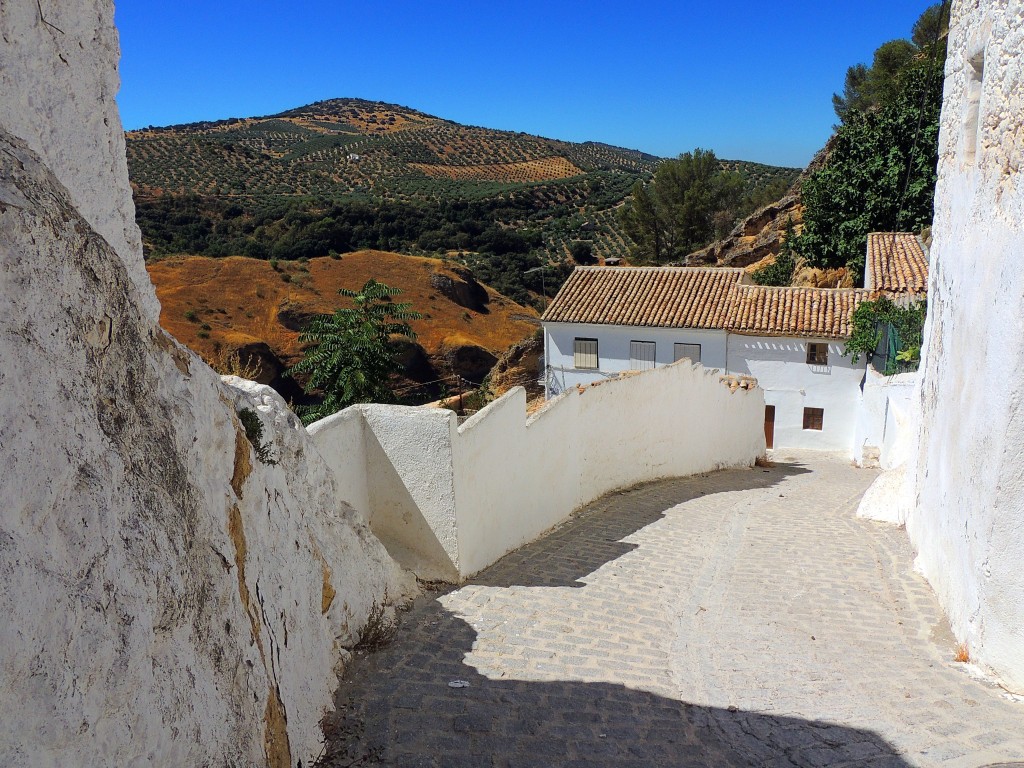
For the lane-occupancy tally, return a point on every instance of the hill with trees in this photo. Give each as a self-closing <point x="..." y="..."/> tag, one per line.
<point x="346" y="174"/>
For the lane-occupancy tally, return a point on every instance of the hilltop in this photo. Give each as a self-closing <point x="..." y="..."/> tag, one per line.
<point x="346" y="174"/>
<point x="220" y="306"/>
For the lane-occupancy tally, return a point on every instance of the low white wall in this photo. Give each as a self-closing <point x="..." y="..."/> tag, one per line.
<point x="341" y="439"/>
<point x="448" y="501"/>
<point x="780" y="366"/>
<point x="399" y="461"/>
<point x="883" y="421"/>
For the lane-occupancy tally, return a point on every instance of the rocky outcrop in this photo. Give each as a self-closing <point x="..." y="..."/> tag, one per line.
<point x="180" y="583"/>
<point x="520" y="366"/>
<point x="459" y="285"/>
<point x="761" y="234"/>
<point x="756" y="237"/>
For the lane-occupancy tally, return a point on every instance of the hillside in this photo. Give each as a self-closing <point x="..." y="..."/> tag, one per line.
<point x="217" y="306"/>
<point x="346" y="174"/>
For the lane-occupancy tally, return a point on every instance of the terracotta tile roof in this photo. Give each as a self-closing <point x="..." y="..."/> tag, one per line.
<point x="664" y="297"/>
<point x="702" y="297"/>
<point x="896" y="263"/>
<point x="818" y="312"/>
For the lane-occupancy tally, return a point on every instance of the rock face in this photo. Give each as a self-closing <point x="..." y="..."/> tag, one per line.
<point x="520" y="366"/>
<point x="461" y="287"/>
<point x="169" y="597"/>
<point x="967" y="488"/>
<point x="761" y="234"/>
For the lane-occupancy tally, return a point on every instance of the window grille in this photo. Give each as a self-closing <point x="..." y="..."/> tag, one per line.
<point x="813" y="418"/>
<point x="817" y="354"/>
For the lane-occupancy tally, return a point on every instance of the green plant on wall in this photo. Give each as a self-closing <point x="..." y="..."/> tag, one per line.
<point x="904" y="326"/>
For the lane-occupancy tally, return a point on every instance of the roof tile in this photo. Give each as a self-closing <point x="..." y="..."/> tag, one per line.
<point x="896" y="263"/>
<point x="702" y="297"/>
<point x="662" y="297"/>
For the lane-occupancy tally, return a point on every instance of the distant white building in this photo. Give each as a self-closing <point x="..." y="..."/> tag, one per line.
<point x="792" y="340"/>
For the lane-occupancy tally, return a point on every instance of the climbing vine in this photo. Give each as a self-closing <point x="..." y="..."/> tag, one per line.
<point x="904" y="327"/>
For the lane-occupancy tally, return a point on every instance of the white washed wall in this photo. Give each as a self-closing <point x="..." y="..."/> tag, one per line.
<point x="780" y="366"/>
<point x="967" y="516"/>
<point x="883" y="418"/>
<point x="450" y="501"/>
<point x="168" y="599"/>
<point x="613" y="349"/>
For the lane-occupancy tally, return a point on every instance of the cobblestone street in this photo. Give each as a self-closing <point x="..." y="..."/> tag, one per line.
<point x="745" y="617"/>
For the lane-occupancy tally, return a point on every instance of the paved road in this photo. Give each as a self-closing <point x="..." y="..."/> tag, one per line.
<point x="740" y="618"/>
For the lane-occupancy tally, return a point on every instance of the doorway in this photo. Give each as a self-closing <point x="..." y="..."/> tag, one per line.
<point x="769" y="426"/>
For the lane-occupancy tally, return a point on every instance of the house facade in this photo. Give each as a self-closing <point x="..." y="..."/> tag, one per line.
<point x="606" y="321"/>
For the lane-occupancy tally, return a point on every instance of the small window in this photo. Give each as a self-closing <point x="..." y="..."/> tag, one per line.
<point x="813" y="418"/>
<point x="584" y="353"/>
<point x="690" y="352"/>
<point x="817" y="354"/>
<point x="641" y="355"/>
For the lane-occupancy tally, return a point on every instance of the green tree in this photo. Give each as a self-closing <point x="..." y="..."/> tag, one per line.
<point x="779" y="272"/>
<point x="674" y="215"/>
<point x="867" y="88"/>
<point x="880" y="175"/>
<point x="350" y="357"/>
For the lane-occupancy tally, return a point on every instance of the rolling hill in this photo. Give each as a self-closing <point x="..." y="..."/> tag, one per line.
<point x="346" y="174"/>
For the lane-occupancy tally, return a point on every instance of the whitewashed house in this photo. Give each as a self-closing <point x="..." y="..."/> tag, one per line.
<point x="792" y="341"/>
<point x="608" y="320"/>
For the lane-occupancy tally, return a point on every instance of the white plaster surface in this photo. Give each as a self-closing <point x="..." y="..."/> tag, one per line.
<point x="885" y="428"/>
<point x="613" y="350"/>
<point x="168" y="599"/>
<point x="780" y="366"/>
<point x="58" y="80"/>
<point x="450" y="501"/>
<point x="967" y="517"/>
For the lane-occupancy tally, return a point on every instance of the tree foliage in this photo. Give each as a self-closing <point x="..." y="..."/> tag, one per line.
<point x="881" y="172"/>
<point x="779" y="272"/>
<point x="674" y="215"/>
<point x="880" y="175"/>
<point x="906" y="324"/>
<point x="350" y="358"/>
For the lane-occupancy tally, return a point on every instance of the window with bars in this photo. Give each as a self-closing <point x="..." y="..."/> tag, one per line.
<point x="641" y="355"/>
<point x="817" y="354"/>
<point x="584" y="353"/>
<point x="689" y="351"/>
<point x="813" y="418"/>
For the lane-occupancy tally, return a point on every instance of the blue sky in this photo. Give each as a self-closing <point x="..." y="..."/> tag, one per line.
<point x="752" y="81"/>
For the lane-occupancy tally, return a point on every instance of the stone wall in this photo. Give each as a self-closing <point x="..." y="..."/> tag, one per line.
<point x="169" y="599"/>
<point x="967" y="480"/>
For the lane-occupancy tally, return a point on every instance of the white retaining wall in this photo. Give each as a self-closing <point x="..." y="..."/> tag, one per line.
<point x="967" y="516"/>
<point x="448" y="501"/>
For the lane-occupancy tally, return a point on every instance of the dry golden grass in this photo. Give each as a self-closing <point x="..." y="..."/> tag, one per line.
<point x="240" y="300"/>
<point x="544" y="169"/>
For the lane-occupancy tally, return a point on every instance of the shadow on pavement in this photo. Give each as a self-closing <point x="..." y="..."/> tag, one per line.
<point x="595" y="535"/>
<point x="395" y="707"/>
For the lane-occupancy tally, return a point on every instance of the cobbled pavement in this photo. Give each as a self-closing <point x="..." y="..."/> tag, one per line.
<point x="740" y="618"/>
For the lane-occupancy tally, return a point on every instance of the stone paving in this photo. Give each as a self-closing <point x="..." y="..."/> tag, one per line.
<point x="744" y="617"/>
